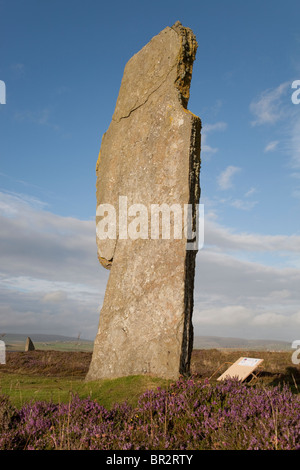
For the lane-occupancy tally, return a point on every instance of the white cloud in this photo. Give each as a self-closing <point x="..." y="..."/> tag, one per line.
<point x="296" y="193"/>
<point x="206" y="130"/>
<point x="218" y="126"/>
<point x="56" y="296"/>
<point x="243" y="205"/>
<point x="226" y="239"/>
<point x="272" y="106"/>
<point x="51" y="280"/>
<point x="49" y="269"/>
<point x="269" y="107"/>
<point x="12" y="203"/>
<point x="269" y="318"/>
<point x="42" y="117"/>
<point x="271" y="146"/>
<point x="293" y="143"/>
<point x="229" y="315"/>
<point x="236" y="298"/>
<point x="225" y="178"/>
<point x="250" y="192"/>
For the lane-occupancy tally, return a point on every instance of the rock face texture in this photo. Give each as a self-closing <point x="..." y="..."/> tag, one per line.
<point x="149" y="155"/>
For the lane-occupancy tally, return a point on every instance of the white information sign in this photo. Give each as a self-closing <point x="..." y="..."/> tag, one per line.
<point x="242" y="368"/>
<point x="249" y="361"/>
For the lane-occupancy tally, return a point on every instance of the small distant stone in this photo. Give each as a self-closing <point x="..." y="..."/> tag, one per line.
<point x="29" y="346"/>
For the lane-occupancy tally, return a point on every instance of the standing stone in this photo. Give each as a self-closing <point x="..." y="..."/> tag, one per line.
<point x="149" y="155"/>
<point x="29" y="346"/>
<point x="2" y="352"/>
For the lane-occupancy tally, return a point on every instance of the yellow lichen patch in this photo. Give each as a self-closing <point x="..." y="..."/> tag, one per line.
<point x="104" y="262"/>
<point x="98" y="161"/>
<point x="190" y="113"/>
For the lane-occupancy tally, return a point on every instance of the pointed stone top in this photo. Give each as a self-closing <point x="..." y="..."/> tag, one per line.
<point x="168" y="56"/>
<point x="29" y="346"/>
<point x="177" y="23"/>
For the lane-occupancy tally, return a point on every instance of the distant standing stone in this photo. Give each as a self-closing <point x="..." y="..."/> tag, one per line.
<point x="2" y="352"/>
<point x="29" y="346"/>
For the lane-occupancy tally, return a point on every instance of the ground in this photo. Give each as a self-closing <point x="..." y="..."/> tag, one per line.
<point x="54" y="375"/>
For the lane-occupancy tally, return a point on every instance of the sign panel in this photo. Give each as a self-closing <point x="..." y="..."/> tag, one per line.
<point x="249" y="361"/>
<point x="241" y="369"/>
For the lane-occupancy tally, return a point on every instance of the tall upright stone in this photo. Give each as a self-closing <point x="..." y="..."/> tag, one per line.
<point x="150" y="155"/>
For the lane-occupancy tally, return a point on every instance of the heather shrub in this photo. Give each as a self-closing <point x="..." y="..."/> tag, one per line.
<point x="189" y="415"/>
<point x="8" y="414"/>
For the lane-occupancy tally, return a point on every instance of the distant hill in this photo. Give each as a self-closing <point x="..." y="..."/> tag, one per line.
<point x="215" y="342"/>
<point x="16" y="342"/>
<point x="39" y="337"/>
<point x="67" y="343"/>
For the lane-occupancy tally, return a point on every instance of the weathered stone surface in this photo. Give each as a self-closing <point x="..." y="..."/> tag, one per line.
<point x="29" y="346"/>
<point x="151" y="155"/>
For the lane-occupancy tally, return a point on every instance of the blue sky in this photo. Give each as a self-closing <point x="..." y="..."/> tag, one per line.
<point x="62" y="63"/>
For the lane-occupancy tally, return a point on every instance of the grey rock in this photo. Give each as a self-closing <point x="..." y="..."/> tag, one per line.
<point x="150" y="154"/>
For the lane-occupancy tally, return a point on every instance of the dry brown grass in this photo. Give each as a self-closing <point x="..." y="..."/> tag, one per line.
<point x="277" y="366"/>
<point x="47" y="363"/>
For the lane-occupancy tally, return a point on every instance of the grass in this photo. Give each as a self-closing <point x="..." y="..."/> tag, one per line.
<point x="24" y="388"/>
<point x="277" y="368"/>
<point x="55" y="346"/>
<point x="45" y="403"/>
<point x="56" y="375"/>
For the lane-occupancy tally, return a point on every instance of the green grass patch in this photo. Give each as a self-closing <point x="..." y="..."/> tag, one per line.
<point x="24" y="388"/>
<point x="54" y="346"/>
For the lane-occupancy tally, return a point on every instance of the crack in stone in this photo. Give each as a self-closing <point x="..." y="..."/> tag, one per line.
<point x="152" y="92"/>
<point x="179" y="83"/>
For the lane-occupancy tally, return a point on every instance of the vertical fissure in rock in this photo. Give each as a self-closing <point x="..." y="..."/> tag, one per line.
<point x="190" y="260"/>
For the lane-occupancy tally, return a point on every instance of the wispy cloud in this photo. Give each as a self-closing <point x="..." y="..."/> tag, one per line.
<point x="271" y="105"/>
<point x="18" y="68"/>
<point x="292" y="145"/>
<point x="218" y="126"/>
<point x="227" y="240"/>
<point x="243" y="204"/>
<point x="207" y="129"/>
<point x="41" y="117"/>
<point x="274" y="106"/>
<point x="250" y="192"/>
<point x="12" y="203"/>
<point x="296" y="193"/>
<point x="226" y="177"/>
<point x="271" y="146"/>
